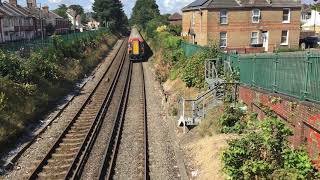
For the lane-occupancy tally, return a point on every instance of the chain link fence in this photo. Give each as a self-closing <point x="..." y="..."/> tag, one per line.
<point x="47" y="41"/>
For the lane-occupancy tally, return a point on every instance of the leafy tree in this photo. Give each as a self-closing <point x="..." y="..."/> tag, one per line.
<point x="110" y="12"/>
<point x="77" y="8"/>
<point x="61" y="11"/>
<point x="143" y="12"/>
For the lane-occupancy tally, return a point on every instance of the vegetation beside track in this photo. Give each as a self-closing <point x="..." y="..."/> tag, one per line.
<point x="31" y="83"/>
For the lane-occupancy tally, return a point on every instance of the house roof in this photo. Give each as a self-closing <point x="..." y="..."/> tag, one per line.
<point x="212" y="4"/>
<point x="175" y="17"/>
<point x="17" y="9"/>
<point x="305" y="8"/>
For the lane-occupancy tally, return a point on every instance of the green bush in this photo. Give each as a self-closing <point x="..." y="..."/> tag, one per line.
<point x="193" y="72"/>
<point x="29" y="84"/>
<point x="231" y="120"/>
<point x="265" y="154"/>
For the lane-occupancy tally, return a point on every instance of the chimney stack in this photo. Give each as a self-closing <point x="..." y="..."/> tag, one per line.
<point x="13" y="2"/>
<point x="31" y="3"/>
<point x="45" y="10"/>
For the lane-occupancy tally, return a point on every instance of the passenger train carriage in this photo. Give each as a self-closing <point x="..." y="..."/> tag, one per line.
<point x="135" y="46"/>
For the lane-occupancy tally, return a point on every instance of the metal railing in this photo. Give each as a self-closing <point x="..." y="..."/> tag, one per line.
<point x="293" y="74"/>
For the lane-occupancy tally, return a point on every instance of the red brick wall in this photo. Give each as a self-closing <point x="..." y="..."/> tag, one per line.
<point x="302" y="117"/>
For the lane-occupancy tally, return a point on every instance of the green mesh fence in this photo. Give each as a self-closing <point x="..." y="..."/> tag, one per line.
<point x="39" y="43"/>
<point x="293" y="74"/>
<point x="191" y="49"/>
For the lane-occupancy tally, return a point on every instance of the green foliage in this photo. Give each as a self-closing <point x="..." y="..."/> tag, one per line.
<point x="62" y="11"/>
<point x="77" y="8"/>
<point x="265" y="153"/>
<point x="29" y="84"/>
<point x="153" y="24"/>
<point x="231" y="121"/>
<point x="175" y="29"/>
<point x="144" y="12"/>
<point x="193" y="73"/>
<point x="111" y="12"/>
<point x="288" y="50"/>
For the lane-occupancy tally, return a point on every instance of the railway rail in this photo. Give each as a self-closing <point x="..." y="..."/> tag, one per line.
<point x="107" y="170"/>
<point x="68" y="154"/>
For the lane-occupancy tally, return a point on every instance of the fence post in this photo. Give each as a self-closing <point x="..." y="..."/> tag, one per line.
<point x="276" y="61"/>
<point x="306" y="81"/>
<point x="253" y="70"/>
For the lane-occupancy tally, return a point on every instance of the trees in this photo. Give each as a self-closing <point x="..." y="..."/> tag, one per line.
<point x="77" y="8"/>
<point x="61" y="11"/>
<point x="143" y="12"/>
<point x="110" y="12"/>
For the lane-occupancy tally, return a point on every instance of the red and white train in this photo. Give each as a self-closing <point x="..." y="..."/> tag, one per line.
<point x="136" y="46"/>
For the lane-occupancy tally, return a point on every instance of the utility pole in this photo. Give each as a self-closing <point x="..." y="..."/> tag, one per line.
<point x="41" y="24"/>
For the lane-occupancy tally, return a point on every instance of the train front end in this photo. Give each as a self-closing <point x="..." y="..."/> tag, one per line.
<point x="135" y="46"/>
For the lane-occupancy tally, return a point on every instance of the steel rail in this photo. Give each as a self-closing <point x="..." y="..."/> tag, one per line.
<point x="145" y="116"/>
<point x="109" y="156"/>
<point x="44" y="161"/>
<point x="106" y="171"/>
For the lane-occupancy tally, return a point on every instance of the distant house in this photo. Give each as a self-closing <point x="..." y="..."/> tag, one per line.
<point x="92" y="24"/>
<point x="75" y="20"/>
<point x="175" y="19"/>
<point x="305" y="13"/>
<point x="310" y="19"/>
<point x="243" y="25"/>
<point x="61" y="25"/>
<point x="17" y="24"/>
<point x="25" y="23"/>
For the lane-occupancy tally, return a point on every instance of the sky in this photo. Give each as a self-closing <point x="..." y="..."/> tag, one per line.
<point x="165" y="6"/>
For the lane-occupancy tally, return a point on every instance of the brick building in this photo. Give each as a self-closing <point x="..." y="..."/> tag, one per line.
<point x="175" y="19"/>
<point x="243" y="24"/>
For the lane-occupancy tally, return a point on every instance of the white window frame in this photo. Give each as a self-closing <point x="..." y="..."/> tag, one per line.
<point x="289" y="15"/>
<point x="226" y="39"/>
<point x="224" y="16"/>
<point x="287" y="40"/>
<point x="251" y="37"/>
<point x="254" y="16"/>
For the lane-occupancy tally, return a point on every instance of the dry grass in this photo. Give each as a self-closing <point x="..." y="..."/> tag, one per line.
<point x="209" y="125"/>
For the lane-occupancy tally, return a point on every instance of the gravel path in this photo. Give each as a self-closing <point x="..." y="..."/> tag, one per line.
<point x="37" y="150"/>
<point x="91" y="169"/>
<point x="162" y="156"/>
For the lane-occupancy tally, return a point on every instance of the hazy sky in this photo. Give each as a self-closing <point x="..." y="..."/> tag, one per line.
<point x="166" y="6"/>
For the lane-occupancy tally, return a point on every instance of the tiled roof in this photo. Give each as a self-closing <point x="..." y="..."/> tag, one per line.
<point x="16" y="9"/>
<point x="175" y="16"/>
<point x="210" y="4"/>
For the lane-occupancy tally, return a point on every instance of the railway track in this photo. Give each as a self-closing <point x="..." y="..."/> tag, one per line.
<point x="135" y="85"/>
<point x="69" y="153"/>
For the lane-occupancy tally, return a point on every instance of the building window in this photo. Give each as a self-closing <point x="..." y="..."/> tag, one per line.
<point x="223" y="16"/>
<point x="284" y="37"/>
<point x="256" y="15"/>
<point x="286" y="15"/>
<point x="254" y="38"/>
<point x="223" y="39"/>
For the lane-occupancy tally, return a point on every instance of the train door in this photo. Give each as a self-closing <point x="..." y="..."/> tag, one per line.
<point x="136" y="48"/>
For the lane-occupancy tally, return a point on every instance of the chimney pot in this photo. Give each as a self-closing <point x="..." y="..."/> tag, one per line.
<point x="13" y="2"/>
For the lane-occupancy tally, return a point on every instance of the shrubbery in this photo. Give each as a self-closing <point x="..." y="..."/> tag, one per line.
<point x="264" y="153"/>
<point x="232" y="120"/>
<point x="30" y="83"/>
